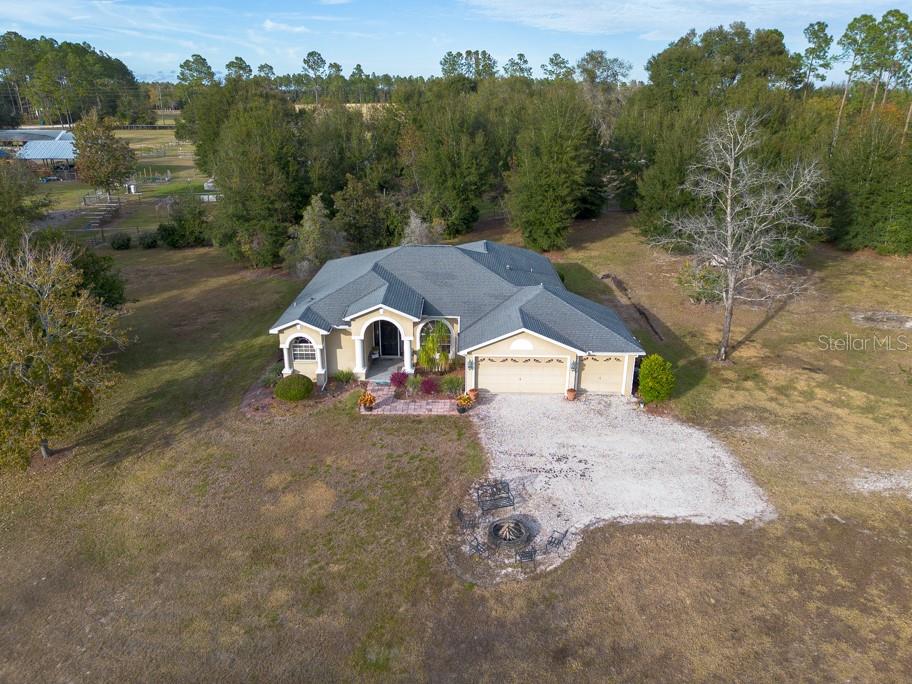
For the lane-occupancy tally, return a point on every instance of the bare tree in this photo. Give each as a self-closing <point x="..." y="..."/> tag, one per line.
<point x="420" y="232"/>
<point x="753" y="223"/>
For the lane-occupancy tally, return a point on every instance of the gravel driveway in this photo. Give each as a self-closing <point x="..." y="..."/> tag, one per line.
<point x="573" y="464"/>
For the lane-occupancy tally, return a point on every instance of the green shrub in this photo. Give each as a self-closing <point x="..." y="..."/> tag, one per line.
<point x="344" y="376"/>
<point x="294" y="387"/>
<point x="120" y="241"/>
<point x="273" y="375"/>
<point x="413" y="384"/>
<point x="657" y="379"/>
<point x="452" y="384"/>
<point x="897" y="238"/>
<point x="701" y="285"/>
<point x="99" y="276"/>
<point x="187" y="227"/>
<point x="148" y="240"/>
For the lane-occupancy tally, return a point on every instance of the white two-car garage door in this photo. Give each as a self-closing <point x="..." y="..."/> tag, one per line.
<point x="521" y="374"/>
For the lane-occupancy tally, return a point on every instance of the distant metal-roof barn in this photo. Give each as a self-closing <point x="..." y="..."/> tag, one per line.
<point x="61" y="148"/>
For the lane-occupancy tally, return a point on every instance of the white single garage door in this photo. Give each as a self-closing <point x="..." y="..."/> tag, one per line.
<point x="522" y="374"/>
<point x="602" y="374"/>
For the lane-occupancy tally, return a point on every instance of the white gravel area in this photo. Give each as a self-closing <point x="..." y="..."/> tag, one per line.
<point x="899" y="482"/>
<point x="600" y="458"/>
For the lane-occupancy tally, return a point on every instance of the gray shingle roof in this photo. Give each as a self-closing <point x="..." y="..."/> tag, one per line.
<point x="494" y="289"/>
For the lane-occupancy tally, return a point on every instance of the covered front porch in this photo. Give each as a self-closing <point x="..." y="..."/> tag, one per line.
<point x="379" y="370"/>
<point x="382" y="350"/>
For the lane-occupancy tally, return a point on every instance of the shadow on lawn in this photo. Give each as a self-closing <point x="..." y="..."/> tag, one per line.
<point x="651" y="331"/>
<point x="192" y="362"/>
<point x="771" y="314"/>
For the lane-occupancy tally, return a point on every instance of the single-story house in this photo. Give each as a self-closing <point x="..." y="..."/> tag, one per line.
<point x="509" y="316"/>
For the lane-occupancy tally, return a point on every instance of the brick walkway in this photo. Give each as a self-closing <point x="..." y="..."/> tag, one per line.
<point x="388" y="405"/>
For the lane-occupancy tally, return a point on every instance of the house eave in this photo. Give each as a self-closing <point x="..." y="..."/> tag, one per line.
<point x="463" y="352"/>
<point x="382" y="307"/>
<point x="279" y="328"/>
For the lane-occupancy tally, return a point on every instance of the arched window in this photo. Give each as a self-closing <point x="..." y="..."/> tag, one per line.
<point x="302" y="349"/>
<point x="439" y="333"/>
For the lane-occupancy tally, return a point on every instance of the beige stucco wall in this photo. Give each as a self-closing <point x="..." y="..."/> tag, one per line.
<point x="406" y="325"/>
<point x="340" y="351"/>
<point x="298" y="329"/>
<point x="524" y="344"/>
<point x="308" y="368"/>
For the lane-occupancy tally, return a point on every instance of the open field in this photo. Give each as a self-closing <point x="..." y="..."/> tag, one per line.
<point x="178" y="540"/>
<point x="158" y="154"/>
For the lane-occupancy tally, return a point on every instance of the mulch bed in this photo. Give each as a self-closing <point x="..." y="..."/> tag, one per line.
<point x="259" y="402"/>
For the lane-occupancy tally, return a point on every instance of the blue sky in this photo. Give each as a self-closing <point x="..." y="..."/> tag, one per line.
<point x="154" y="36"/>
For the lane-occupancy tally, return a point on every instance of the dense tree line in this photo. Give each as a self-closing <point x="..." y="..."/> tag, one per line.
<point x="858" y="132"/>
<point x="548" y="150"/>
<point x="57" y="83"/>
<point x="443" y="149"/>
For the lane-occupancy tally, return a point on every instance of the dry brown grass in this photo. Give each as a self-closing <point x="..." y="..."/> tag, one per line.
<point x="181" y="541"/>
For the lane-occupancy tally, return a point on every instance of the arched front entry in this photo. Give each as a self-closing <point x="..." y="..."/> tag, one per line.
<point x="386" y="337"/>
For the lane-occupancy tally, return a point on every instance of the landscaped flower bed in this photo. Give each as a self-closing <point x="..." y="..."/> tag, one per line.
<point x="424" y="385"/>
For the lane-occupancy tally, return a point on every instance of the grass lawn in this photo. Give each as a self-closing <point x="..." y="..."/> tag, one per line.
<point x="182" y="541"/>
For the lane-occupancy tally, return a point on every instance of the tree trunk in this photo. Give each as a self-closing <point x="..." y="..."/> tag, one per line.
<point x="902" y="140"/>
<point x="726" y="329"/>
<point x="19" y="98"/>
<point x="845" y="94"/>
<point x="45" y="451"/>
<point x="874" y="98"/>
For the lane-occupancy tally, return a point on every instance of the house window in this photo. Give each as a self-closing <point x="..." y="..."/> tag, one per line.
<point x="441" y="333"/>
<point x="302" y="349"/>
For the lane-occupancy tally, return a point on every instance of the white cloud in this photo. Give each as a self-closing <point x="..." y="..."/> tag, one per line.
<point x="271" y="25"/>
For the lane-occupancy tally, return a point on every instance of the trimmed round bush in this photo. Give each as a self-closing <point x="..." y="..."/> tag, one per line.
<point x="294" y="388"/>
<point x="657" y="379"/>
<point x="148" y="240"/>
<point x="120" y="241"/>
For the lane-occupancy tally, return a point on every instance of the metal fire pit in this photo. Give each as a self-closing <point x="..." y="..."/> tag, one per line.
<point x="513" y="532"/>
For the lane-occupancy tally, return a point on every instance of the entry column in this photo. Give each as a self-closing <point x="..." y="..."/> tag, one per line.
<point x="359" y="357"/>
<point x="407" y="355"/>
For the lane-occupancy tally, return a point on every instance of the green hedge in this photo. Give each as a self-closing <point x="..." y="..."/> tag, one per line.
<point x="294" y="388"/>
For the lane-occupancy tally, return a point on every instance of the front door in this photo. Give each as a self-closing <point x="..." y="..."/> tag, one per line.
<point x="389" y="339"/>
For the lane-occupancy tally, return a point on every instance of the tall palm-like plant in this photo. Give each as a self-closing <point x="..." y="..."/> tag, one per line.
<point x="431" y="355"/>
